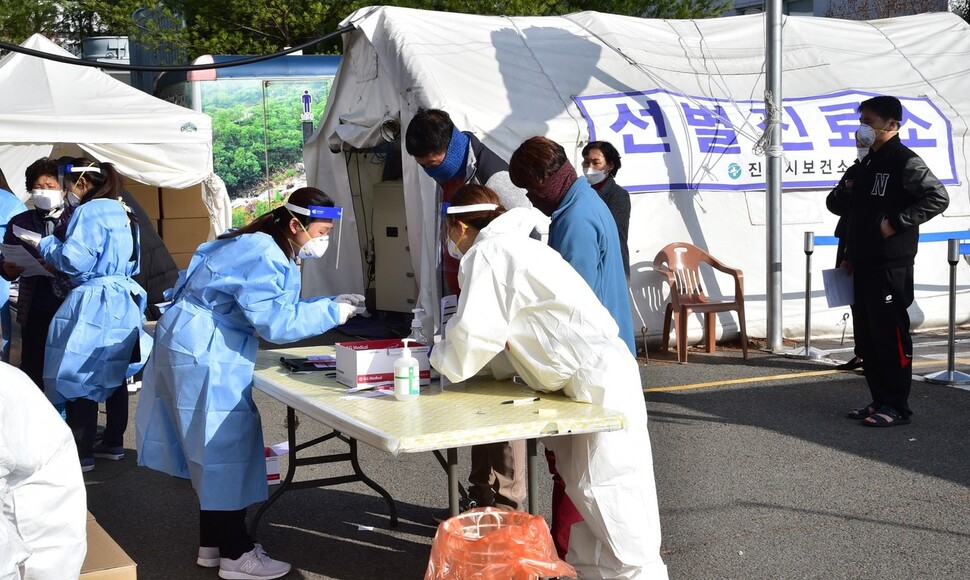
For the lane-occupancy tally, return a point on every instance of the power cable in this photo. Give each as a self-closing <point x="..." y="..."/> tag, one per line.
<point x="167" y="68"/>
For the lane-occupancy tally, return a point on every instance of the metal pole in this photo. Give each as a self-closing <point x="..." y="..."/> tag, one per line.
<point x="773" y="172"/>
<point x="808" y="351"/>
<point x="809" y="249"/>
<point x="951" y="376"/>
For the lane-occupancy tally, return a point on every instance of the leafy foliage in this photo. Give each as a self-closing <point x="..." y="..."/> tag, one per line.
<point x="247" y="27"/>
<point x="240" y="149"/>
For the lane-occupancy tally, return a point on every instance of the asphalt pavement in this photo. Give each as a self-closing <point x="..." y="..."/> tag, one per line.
<point x="759" y="475"/>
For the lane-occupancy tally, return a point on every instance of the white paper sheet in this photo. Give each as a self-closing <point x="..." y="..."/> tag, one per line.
<point x="20" y="256"/>
<point x="838" y="287"/>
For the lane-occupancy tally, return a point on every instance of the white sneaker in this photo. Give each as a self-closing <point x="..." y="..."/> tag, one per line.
<point x="208" y="557"/>
<point x="253" y="565"/>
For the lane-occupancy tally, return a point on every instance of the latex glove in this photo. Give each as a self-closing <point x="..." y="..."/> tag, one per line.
<point x="346" y="312"/>
<point x="354" y="299"/>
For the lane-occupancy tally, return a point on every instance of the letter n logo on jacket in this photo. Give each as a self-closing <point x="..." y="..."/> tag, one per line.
<point x="879" y="185"/>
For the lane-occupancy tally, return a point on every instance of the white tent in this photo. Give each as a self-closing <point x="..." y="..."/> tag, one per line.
<point x="681" y="100"/>
<point x="46" y="106"/>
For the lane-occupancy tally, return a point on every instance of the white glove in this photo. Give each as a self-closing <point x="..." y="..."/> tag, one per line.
<point x="354" y="299"/>
<point x="345" y="311"/>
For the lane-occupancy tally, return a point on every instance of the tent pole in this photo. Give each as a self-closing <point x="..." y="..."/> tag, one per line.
<point x="773" y="172"/>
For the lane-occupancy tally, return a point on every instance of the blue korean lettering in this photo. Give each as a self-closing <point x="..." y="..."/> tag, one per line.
<point x="631" y="143"/>
<point x="788" y="140"/>
<point x="909" y="134"/>
<point x="843" y="120"/>
<point x="714" y="134"/>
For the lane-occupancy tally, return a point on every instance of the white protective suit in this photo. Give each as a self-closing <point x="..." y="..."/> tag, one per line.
<point x="44" y="503"/>
<point x="518" y="292"/>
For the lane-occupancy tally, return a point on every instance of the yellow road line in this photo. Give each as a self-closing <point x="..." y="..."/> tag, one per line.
<point x="784" y="377"/>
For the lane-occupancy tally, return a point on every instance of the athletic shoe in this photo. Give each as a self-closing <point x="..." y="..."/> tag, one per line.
<point x="87" y="464"/>
<point x="208" y="557"/>
<point x="113" y="453"/>
<point x="253" y="565"/>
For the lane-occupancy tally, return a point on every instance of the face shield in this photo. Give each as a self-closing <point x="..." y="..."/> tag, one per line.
<point x="321" y="212"/>
<point x="71" y="178"/>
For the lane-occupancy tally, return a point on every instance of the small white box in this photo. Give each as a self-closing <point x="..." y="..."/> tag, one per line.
<point x="272" y="467"/>
<point x="370" y="363"/>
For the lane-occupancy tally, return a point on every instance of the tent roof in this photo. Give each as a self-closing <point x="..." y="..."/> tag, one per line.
<point x="150" y="140"/>
<point x="509" y="77"/>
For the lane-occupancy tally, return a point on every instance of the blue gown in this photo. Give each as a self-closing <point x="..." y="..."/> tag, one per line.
<point x="196" y="417"/>
<point x="10" y="205"/>
<point x="94" y="333"/>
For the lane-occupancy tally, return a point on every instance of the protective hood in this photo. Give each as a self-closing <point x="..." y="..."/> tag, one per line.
<point x="518" y="220"/>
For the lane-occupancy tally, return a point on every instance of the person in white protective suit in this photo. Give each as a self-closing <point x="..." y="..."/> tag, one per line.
<point x="44" y="504"/>
<point x="196" y="417"/>
<point x="521" y="297"/>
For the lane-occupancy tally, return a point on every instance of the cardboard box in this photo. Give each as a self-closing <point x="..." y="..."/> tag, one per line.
<point x="146" y="196"/>
<point x="183" y="236"/>
<point x="182" y="203"/>
<point x="105" y="559"/>
<point x="370" y="363"/>
<point x="182" y="260"/>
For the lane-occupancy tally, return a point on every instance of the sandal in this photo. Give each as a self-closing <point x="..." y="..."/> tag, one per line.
<point x="853" y="364"/>
<point x="863" y="412"/>
<point x="886" y="417"/>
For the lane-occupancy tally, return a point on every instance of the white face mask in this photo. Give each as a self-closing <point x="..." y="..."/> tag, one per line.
<point x="453" y="250"/>
<point x="315" y="248"/>
<point x="46" y="199"/>
<point x="861" y="152"/>
<point x="866" y="135"/>
<point x="594" y="176"/>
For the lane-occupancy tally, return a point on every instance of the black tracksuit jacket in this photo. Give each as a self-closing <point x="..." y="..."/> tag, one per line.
<point x="892" y="183"/>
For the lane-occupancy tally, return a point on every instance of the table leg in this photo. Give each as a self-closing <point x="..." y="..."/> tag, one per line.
<point x="453" y="482"/>
<point x="290" y="471"/>
<point x="371" y="483"/>
<point x="531" y="448"/>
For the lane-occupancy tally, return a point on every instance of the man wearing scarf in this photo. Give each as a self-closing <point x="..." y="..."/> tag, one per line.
<point x="454" y="158"/>
<point x="584" y="232"/>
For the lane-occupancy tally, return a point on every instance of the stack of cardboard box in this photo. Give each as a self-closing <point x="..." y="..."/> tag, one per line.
<point x="178" y="215"/>
<point x="184" y="223"/>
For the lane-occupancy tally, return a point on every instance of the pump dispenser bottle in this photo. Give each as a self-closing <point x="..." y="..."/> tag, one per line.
<point x="417" y="328"/>
<point x="407" y="375"/>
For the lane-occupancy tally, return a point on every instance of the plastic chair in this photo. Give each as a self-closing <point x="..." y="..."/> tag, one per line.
<point x="681" y="262"/>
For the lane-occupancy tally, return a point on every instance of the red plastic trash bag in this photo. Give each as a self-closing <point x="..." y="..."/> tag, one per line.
<point x="494" y="544"/>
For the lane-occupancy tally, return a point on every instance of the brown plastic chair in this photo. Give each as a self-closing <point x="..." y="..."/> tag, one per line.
<point x="681" y="262"/>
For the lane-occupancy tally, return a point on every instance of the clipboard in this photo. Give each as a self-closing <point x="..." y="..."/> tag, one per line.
<point x="302" y="365"/>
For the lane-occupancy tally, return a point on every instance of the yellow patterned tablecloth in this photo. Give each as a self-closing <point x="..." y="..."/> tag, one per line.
<point x="459" y="416"/>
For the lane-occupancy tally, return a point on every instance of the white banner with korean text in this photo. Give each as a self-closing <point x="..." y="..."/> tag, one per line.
<point x="669" y="141"/>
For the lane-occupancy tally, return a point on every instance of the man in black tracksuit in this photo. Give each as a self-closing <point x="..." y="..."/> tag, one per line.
<point x="893" y="192"/>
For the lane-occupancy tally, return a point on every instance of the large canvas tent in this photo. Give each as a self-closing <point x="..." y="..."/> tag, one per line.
<point x="48" y="106"/>
<point x="683" y="101"/>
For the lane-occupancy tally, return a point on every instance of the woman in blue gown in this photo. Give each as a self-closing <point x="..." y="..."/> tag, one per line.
<point x="196" y="418"/>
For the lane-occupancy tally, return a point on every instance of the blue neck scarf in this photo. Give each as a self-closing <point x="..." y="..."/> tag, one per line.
<point x="453" y="164"/>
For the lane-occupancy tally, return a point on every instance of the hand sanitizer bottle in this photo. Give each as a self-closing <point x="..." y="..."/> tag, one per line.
<point x="417" y="328"/>
<point x="407" y="375"/>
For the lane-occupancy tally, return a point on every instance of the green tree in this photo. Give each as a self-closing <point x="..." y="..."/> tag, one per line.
<point x="247" y="27"/>
<point x="21" y="18"/>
